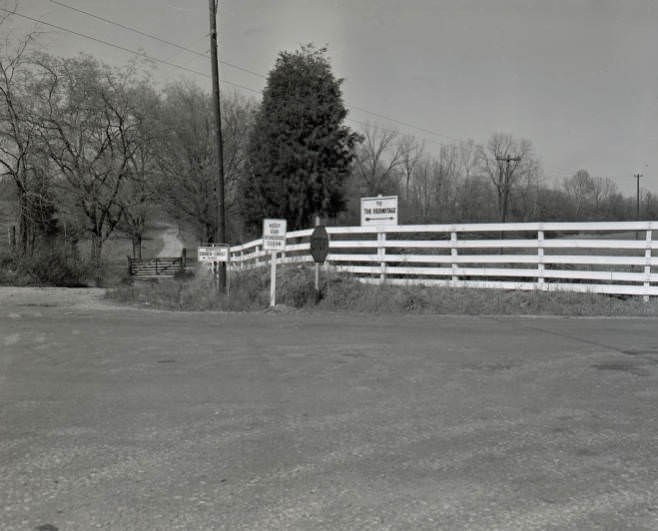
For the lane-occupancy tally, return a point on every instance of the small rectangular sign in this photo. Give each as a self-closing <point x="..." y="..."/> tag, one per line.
<point x="274" y="234"/>
<point x="376" y="211"/>
<point x="213" y="253"/>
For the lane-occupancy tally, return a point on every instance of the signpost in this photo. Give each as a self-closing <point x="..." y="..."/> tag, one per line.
<point x="319" y="250"/>
<point x="213" y="254"/>
<point x="379" y="211"/>
<point x="274" y="240"/>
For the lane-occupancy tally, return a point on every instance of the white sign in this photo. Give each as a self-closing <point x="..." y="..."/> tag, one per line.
<point x="213" y="253"/>
<point x="380" y="210"/>
<point x="274" y="234"/>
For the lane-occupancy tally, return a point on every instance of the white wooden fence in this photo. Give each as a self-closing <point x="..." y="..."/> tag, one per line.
<point x="605" y="257"/>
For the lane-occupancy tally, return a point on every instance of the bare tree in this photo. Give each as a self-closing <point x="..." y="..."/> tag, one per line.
<point x="187" y="160"/>
<point x="468" y="158"/>
<point x="88" y="130"/>
<point x="411" y="151"/>
<point x="475" y="200"/>
<point x="18" y="139"/>
<point x="588" y="195"/>
<point x="378" y="161"/>
<point x="421" y="190"/>
<point x="505" y="161"/>
<point x="434" y="186"/>
<point x="139" y="193"/>
<point x="237" y="121"/>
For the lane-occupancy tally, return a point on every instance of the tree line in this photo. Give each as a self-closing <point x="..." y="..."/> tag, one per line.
<point x="470" y="182"/>
<point x="92" y="150"/>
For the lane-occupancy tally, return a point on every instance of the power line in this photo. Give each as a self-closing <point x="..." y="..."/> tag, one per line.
<point x="405" y="124"/>
<point x="162" y="61"/>
<point x="243" y="69"/>
<point x="128" y="50"/>
<point x="151" y="36"/>
<point x="204" y="74"/>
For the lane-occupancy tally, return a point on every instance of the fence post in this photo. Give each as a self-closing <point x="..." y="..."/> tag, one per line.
<point x="156" y="266"/>
<point x="183" y="259"/>
<point x="647" y="267"/>
<point x="453" y="253"/>
<point x="540" y="260"/>
<point x="381" y="253"/>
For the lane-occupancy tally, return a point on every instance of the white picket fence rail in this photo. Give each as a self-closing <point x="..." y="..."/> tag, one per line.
<point x="597" y="257"/>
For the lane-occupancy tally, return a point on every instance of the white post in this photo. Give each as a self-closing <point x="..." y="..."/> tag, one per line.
<point x="647" y="267"/>
<point x="228" y="274"/>
<point x="381" y="252"/>
<point x="540" y="260"/>
<point x="453" y="252"/>
<point x="317" y="265"/>
<point x="273" y="280"/>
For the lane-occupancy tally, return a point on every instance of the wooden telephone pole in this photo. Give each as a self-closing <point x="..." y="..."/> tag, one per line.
<point x="214" y="63"/>
<point x="637" y="200"/>
<point x="637" y="203"/>
<point x="504" y="187"/>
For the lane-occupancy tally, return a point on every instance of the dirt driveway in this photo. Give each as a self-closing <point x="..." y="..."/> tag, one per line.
<point x="136" y="419"/>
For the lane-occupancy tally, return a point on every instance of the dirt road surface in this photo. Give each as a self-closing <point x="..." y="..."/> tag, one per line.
<point x="136" y="419"/>
<point x="173" y="246"/>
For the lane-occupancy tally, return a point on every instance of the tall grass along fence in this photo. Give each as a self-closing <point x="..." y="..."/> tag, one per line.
<point x="606" y="257"/>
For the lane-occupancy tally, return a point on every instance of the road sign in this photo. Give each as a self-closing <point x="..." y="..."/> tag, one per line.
<point x="213" y="253"/>
<point x="274" y="234"/>
<point x="378" y="211"/>
<point x="319" y="244"/>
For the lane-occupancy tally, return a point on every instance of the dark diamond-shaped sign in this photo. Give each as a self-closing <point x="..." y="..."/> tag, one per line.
<point x="319" y="244"/>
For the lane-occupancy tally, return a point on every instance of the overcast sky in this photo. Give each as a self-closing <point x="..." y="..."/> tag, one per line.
<point x="579" y="78"/>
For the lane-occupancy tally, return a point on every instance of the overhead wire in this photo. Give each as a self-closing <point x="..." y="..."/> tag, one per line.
<point x="151" y="36"/>
<point x="204" y="74"/>
<point x="241" y="68"/>
<point x="168" y="63"/>
<point x="128" y="50"/>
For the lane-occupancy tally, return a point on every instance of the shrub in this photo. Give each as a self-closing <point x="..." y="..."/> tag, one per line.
<point x="44" y="268"/>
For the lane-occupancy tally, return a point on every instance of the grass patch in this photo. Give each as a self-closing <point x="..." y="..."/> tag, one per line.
<point x="249" y="291"/>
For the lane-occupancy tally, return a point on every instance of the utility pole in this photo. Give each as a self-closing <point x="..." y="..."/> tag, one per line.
<point x="221" y="216"/>
<point x="637" y="210"/>
<point x="503" y="190"/>
<point x="637" y="203"/>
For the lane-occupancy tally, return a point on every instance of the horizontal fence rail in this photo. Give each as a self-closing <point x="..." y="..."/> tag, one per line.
<point x="155" y="267"/>
<point x="619" y="258"/>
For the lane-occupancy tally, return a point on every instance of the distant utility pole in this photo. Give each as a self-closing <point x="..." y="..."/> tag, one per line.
<point x="637" y="210"/>
<point x="214" y="63"/>
<point x="505" y="184"/>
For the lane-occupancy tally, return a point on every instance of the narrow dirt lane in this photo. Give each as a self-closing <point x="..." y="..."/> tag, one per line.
<point x="173" y="246"/>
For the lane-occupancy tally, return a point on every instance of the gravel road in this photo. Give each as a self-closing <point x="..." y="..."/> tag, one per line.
<point x="135" y="419"/>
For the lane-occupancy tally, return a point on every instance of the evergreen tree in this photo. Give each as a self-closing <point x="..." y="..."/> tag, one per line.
<point x="300" y="153"/>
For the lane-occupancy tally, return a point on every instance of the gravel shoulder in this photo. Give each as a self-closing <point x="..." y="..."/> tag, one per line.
<point x="79" y="298"/>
